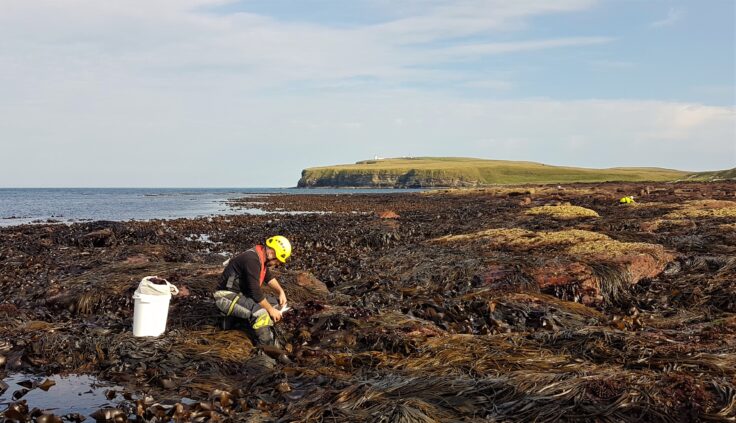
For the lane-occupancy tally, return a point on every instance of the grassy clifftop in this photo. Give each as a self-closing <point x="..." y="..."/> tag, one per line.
<point x="457" y="172"/>
<point x="719" y="175"/>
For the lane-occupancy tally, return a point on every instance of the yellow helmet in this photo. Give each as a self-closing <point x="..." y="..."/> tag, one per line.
<point x="281" y="246"/>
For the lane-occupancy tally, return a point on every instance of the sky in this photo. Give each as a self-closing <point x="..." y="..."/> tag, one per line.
<point x="224" y="93"/>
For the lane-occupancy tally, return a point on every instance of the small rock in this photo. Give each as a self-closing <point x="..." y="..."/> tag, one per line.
<point x="311" y="283"/>
<point x="48" y="418"/>
<point x="46" y="384"/>
<point x="20" y="393"/>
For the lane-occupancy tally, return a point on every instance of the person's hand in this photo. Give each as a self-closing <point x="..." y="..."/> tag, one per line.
<point x="275" y="314"/>
<point x="282" y="298"/>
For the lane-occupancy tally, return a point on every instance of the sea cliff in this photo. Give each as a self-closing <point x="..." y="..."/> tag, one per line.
<point x="429" y="172"/>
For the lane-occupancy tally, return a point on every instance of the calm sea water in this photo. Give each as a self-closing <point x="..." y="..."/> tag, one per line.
<point x="36" y="205"/>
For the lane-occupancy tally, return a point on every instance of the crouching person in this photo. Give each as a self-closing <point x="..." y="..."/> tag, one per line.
<point x="240" y="296"/>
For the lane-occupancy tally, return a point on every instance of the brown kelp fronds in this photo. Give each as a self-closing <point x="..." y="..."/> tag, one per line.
<point x="460" y="307"/>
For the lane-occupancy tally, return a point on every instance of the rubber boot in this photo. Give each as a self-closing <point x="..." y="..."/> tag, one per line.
<point x="266" y="337"/>
<point x="228" y="322"/>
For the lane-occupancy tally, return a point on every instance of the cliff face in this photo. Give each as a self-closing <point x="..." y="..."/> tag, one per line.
<point x="430" y="172"/>
<point x="382" y="179"/>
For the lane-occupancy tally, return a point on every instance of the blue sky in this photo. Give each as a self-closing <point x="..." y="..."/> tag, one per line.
<point x="693" y="42"/>
<point x="221" y="93"/>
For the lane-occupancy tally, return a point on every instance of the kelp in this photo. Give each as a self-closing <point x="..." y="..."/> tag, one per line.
<point x="460" y="307"/>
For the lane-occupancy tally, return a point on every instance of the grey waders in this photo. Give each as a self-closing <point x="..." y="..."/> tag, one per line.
<point x="237" y="308"/>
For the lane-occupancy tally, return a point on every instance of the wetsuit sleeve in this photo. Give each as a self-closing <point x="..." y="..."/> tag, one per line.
<point x="249" y="282"/>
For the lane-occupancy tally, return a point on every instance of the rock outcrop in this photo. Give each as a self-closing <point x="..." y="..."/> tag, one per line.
<point x="383" y="179"/>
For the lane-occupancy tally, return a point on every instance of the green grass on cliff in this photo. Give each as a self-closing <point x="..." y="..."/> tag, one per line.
<point x="720" y="175"/>
<point x="486" y="172"/>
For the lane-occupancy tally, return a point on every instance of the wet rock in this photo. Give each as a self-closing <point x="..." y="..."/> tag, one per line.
<point x="74" y="417"/>
<point x="99" y="238"/>
<point x="137" y="259"/>
<point x="388" y="214"/>
<point x="46" y="384"/>
<point x="643" y="265"/>
<point x="20" y="393"/>
<point x="483" y="327"/>
<point x="109" y="415"/>
<point x="569" y="281"/>
<point x="48" y="418"/>
<point x="28" y="384"/>
<point x="17" y="411"/>
<point x="312" y="284"/>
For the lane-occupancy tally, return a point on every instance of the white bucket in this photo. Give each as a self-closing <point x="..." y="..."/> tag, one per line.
<point x="150" y="314"/>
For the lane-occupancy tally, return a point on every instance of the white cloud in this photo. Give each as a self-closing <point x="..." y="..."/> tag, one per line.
<point x="96" y="91"/>
<point x="442" y="19"/>
<point x="179" y="141"/>
<point x="673" y="16"/>
<point x="179" y="39"/>
<point x="680" y="122"/>
<point x="474" y="51"/>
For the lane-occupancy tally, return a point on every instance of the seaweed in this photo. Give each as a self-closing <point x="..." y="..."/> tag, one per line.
<point x="499" y="304"/>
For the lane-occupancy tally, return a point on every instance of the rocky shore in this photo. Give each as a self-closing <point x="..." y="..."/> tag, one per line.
<point x="531" y="303"/>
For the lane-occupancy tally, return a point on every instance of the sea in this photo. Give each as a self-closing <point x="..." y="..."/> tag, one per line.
<point x="68" y="205"/>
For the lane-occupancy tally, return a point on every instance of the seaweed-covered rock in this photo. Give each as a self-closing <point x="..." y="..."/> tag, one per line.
<point x="465" y="308"/>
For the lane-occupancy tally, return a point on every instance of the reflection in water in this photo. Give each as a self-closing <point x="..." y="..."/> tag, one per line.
<point x="59" y="395"/>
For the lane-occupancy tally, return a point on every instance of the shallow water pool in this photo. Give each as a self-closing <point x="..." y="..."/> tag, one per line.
<point x="81" y="394"/>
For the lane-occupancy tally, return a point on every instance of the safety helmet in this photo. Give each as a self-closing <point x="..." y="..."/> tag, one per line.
<point x="281" y="246"/>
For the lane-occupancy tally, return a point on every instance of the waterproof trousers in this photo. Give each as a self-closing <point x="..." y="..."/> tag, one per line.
<point x="236" y="305"/>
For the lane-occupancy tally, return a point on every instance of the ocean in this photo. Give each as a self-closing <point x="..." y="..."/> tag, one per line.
<point x="40" y="205"/>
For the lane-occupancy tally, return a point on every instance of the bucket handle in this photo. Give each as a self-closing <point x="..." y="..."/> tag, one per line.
<point x="173" y="288"/>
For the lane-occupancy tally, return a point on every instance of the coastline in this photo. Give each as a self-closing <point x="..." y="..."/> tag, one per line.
<point x="483" y="289"/>
<point x="73" y="205"/>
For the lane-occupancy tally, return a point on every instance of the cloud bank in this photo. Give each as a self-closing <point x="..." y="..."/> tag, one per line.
<point x="191" y="93"/>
